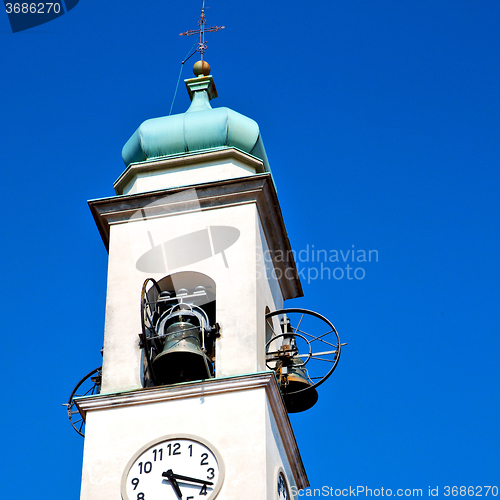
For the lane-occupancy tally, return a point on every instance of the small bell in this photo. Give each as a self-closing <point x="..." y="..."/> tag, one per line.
<point x="294" y="378"/>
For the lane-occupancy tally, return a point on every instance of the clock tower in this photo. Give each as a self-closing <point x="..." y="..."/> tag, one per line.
<point x="201" y="363"/>
<point x="187" y="406"/>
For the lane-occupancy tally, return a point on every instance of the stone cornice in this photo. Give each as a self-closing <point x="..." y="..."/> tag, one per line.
<point x="187" y="159"/>
<point x="258" y="189"/>
<point x="207" y="388"/>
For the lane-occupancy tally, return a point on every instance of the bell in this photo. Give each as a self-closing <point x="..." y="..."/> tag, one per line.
<point x="182" y="358"/>
<point x="294" y="378"/>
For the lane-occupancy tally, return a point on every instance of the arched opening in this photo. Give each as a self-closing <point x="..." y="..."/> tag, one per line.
<point x="179" y="328"/>
<point x="193" y="288"/>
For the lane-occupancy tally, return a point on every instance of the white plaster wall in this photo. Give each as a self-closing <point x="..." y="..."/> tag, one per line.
<point x="268" y="291"/>
<point x="243" y="291"/>
<point x="121" y="353"/>
<point x="235" y="423"/>
<point x="187" y="174"/>
<point x="275" y="455"/>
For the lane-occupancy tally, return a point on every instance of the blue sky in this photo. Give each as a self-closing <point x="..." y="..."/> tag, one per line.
<point x="381" y="125"/>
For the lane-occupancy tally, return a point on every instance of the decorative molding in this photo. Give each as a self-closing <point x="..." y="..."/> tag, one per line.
<point x="206" y="388"/>
<point x="258" y="189"/>
<point x="135" y="169"/>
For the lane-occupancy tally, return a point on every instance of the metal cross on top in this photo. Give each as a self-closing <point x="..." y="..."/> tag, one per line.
<point x="202" y="45"/>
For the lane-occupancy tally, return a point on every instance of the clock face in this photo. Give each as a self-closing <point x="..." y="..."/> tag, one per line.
<point x="173" y="468"/>
<point x="282" y="487"/>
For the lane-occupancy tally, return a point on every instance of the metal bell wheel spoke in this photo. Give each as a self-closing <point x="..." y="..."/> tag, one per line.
<point x="303" y="349"/>
<point x="149" y="299"/>
<point x="88" y="386"/>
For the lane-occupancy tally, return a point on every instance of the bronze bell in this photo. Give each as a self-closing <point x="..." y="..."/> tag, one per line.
<point x="182" y="358"/>
<point x="293" y="378"/>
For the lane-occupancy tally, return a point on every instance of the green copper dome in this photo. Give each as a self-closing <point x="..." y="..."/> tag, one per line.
<point x="200" y="128"/>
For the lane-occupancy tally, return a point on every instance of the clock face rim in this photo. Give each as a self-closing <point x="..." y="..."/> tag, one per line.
<point x="281" y="472"/>
<point x="171" y="437"/>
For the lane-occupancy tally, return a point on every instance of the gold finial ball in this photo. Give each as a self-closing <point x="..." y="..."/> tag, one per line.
<point x="201" y="68"/>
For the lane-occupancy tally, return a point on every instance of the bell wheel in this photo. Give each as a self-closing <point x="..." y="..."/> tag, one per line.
<point x="304" y="342"/>
<point x="88" y="386"/>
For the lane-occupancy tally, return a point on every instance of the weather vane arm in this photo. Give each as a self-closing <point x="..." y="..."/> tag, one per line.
<point x="202" y="45"/>
<point x="212" y="29"/>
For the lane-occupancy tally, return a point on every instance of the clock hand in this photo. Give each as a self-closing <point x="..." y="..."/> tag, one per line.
<point x="170" y="474"/>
